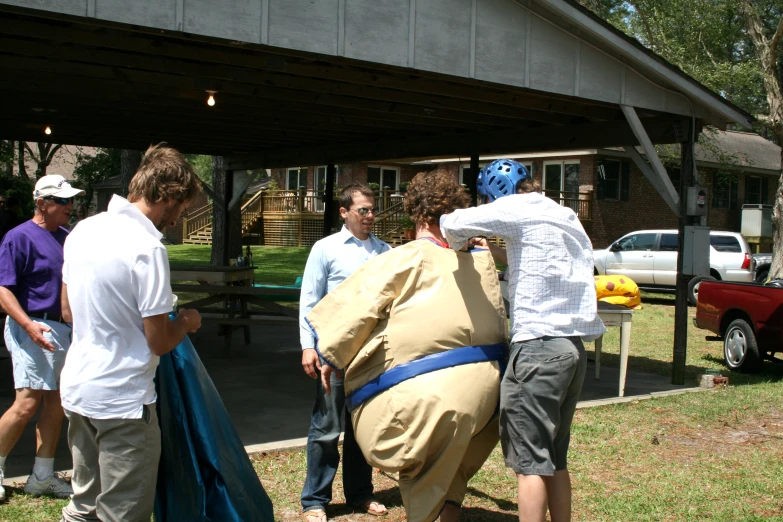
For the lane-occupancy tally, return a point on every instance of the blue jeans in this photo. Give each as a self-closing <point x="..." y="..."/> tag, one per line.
<point x="323" y="455"/>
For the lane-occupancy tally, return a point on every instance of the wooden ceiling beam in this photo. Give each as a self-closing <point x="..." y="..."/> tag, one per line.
<point x="218" y="76"/>
<point x="218" y="52"/>
<point x="183" y="86"/>
<point x="663" y="129"/>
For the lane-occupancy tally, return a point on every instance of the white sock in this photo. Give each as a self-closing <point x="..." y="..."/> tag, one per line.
<point x="43" y="468"/>
<point x="2" y="465"/>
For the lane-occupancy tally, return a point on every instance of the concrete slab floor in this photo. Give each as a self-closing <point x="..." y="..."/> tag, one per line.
<point x="270" y="398"/>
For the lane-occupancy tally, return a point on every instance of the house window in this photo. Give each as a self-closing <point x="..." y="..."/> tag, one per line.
<point x="613" y="177"/>
<point x="561" y="179"/>
<point x="756" y="189"/>
<point x="464" y="169"/>
<point x="296" y="178"/>
<point x="724" y="190"/>
<point x="320" y="178"/>
<point x="385" y="177"/>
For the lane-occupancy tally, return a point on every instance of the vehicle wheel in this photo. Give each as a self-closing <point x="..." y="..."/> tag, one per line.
<point x="693" y="288"/>
<point x="740" y="349"/>
<point x="762" y="275"/>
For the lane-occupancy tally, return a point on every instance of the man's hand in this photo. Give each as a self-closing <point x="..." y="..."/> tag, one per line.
<point x="311" y="362"/>
<point x="191" y="317"/>
<point x="36" y="331"/>
<point x="326" y="378"/>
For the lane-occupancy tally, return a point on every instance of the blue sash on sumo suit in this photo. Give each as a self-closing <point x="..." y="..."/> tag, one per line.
<point x="205" y="473"/>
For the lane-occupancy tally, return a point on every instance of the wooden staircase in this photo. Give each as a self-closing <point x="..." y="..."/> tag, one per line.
<point x="197" y="227"/>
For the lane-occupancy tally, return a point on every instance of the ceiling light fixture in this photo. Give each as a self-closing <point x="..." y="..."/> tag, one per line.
<point x="47" y="130"/>
<point x="211" y="99"/>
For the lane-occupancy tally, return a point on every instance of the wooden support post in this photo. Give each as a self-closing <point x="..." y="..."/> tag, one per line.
<point x="472" y="178"/>
<point x="229" y="190"/>
<point x="681" y="299"/>
<point x="261" y="220"/>
<point x="329" y="203"/>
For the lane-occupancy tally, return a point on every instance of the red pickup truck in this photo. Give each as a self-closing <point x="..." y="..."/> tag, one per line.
<point x="749" y="318"/>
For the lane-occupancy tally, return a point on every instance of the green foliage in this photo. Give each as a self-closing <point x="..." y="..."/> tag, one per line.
<point x="374" y="186"/>
<point x="21" y="189"/>
<point x="708" y="40"/>
<point x="7" y="157"/>
<point x="202" y="165"/>
<point x="404" y="186"/>
<point x="91" y="170"/>
<point x="406" y="222"/>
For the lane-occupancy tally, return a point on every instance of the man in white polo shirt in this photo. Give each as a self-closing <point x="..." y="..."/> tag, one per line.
<point x="116" y="289"/>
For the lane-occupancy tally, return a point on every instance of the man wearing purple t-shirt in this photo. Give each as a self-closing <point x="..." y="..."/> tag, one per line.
<point x="31" y="261"/>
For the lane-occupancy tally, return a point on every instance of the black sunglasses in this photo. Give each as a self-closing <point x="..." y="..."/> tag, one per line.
<point x="59" y="201"/>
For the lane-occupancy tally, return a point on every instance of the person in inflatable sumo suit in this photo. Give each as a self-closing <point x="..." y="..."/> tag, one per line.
<point x="420" y="337"/>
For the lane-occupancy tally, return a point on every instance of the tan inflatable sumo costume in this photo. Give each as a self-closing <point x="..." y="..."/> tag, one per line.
<point x="419" y="333"/>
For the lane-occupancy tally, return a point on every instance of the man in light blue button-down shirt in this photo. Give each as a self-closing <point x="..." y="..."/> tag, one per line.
<point x="331" y="260"/>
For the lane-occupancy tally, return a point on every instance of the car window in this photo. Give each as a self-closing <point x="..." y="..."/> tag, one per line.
<point x="637" y="242"/>
<point x="725" y="243"/>
<point x="669" y="242"/>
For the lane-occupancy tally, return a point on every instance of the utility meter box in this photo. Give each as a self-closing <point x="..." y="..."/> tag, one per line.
<point x="696" y="202"/>
<point x="756" y="221"/>
<point x="696" y="251"/>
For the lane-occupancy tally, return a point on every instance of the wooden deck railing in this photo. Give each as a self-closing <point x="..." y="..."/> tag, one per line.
<point x="388" y="221"/>
<point x="299" y="204"/>
<point x="580" y="202"/>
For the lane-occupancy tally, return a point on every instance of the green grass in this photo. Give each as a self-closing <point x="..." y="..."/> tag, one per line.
<point x="713" y="456"/>
<point x="274" y="265"/>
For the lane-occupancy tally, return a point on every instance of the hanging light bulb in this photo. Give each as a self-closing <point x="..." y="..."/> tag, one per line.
<point x="211" y="99"/>
<point x="48" y="130"/>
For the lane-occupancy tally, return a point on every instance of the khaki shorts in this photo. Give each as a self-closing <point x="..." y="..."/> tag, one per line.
<point x="538" y="396"/>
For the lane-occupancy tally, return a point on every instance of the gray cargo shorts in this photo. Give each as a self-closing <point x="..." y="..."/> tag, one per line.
<point x="538" y="396"/>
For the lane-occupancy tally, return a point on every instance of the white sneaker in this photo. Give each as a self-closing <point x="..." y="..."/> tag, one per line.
<point x="2" y="489"/>
<point x="53" y="485"/>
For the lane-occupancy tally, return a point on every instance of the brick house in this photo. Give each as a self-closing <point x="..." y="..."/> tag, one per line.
<point x="737" y="167"/>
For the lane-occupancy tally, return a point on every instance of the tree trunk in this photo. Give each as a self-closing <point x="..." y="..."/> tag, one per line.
<point x="768" y="52"/>
<point x="226" y="227"/>
<point x="129" y="164"/>
<point x="22" y="169"/>
<point x="776" y="268"/>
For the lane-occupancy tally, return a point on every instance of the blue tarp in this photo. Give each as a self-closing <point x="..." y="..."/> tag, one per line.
<point x="205" y="473"/>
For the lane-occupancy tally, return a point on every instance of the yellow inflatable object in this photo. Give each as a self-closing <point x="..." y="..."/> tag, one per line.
<point x="618" y="290"/>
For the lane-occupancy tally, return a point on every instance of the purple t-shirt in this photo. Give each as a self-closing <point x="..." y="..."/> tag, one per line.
<point x="31" y="266"/>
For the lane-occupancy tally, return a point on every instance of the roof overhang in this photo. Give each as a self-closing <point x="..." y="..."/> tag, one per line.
<point x="114" y="77"/>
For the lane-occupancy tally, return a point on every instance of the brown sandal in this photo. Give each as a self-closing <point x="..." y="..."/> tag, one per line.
<point x="314" y="515"/>
<point x="372" y="507"/>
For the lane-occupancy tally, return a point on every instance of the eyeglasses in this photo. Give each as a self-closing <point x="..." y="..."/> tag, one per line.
<point x="363" y="211"/>
<point x="59" y="201"/>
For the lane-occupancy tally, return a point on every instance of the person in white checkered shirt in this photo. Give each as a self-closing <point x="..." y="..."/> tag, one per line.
<point x="553" y="306"/>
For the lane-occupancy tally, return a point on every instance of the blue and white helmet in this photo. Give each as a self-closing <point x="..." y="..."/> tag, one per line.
<point x="500" y="178"/>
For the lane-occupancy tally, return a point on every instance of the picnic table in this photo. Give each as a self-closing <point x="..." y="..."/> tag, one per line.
<point x="232" y="289"/>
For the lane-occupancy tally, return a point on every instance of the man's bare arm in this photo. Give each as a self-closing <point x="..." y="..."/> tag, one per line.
<point x="163" y="334"/>
<point x="35" y="330"/>
<point x="65" y="305"/>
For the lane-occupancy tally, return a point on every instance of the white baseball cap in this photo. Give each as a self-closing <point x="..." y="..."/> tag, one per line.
<point x="55" y="185"/>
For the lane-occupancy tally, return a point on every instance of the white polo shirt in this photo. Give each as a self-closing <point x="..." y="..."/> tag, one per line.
<point x="117" y="272"/>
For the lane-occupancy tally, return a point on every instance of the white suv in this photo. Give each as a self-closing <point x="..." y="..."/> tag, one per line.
<point x="649" y="257"/>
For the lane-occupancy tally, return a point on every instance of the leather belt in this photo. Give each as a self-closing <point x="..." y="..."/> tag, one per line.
<point x="47" y="316"/>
